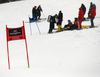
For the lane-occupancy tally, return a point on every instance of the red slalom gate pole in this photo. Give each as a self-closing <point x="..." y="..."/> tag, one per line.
<point x="7" y="49"/>
<point x="26" y="48"/>
<point x="27" y="53"/>
<point x="8" y="56"/>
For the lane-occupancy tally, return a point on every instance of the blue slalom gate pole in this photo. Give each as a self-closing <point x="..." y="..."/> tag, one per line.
<point x="37" y="26"/>
<point x="30" y="28"/>
<point x="30" y="25"/>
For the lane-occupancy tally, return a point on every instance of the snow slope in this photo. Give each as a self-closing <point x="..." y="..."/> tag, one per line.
<point x="65" y="54"/>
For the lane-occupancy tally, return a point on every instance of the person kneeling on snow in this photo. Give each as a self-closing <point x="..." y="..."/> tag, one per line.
<point x="75" y="25"/>
<point x="71" y="26"/>
<point x="68" y="25"/>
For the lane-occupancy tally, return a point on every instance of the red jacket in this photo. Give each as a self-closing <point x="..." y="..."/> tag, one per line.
<point x="93" y="12"/>
<point x="81" y="14"/>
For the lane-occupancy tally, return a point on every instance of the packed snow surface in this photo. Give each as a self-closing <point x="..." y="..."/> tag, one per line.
<point x="65" y="54"/>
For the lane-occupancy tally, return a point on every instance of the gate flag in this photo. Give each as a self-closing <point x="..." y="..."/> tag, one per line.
<point x="16" y="34"/>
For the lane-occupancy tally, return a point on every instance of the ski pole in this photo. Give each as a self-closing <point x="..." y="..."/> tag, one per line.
<point x="43" y="14"/>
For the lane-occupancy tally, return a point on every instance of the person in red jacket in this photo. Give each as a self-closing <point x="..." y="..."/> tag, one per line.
<point x="92" y="15"/>
<point x="80" y="16"/>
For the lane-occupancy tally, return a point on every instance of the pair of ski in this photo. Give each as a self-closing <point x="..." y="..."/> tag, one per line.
<point x="83" y="27"/>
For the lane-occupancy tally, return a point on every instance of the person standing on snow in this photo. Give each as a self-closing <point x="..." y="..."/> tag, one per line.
<point x="52" y="21"/>
<point x="80" y="17"/>
<point x="83" y="8"/>
<point x="39" y="9"/>
<point x="92" y="15"/>
<point x="89" y="10"/>
<point x="60" y="19"/>
<point x="34" y="12"/>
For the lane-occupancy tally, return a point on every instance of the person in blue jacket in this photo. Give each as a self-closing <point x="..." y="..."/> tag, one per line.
<point x="68" y="25"/>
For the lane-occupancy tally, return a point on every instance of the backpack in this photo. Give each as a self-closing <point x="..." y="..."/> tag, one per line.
<point x="49" y="17"/>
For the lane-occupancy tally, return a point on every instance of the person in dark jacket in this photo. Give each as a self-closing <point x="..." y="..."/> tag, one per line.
<point x="52" y="21"/>
<point x="34" y="12"/>
<point x="89" y="10"/>
<point x="75" y="25"/>
<point x="80" y="17"/>
<point x="83" y="8"/>
<point x="92" y="15"/>
<point x="60" y="19"/>
<point x="39" y="9"/>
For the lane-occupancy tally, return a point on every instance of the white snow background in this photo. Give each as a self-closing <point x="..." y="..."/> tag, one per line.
<point x="65" y="54"/>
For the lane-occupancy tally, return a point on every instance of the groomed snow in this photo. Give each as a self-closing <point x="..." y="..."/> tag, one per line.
<point x="65" y="54"/>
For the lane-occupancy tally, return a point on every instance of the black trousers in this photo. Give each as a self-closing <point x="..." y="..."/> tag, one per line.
<point x="92" y="23"/>
<point x="51" y="27"/>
